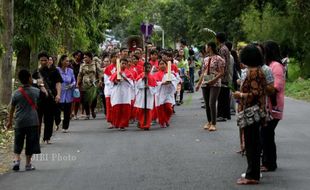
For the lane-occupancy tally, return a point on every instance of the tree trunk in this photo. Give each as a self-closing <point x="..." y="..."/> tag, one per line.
<point x="23" y="60"/>
<point x="6" y="57"/>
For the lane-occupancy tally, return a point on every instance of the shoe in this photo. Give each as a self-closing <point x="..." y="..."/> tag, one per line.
<point x="111" y="127"/>
<point x="181" y="102"/>
<point x="265" y="169"/>
<point x="76" y="117"/>
<point x="167" y="125"/>
<point x="243" y="175"/>
<point x="212" y="128"/>
<point x="29" y="167"/>
<point x="16" y="164"/>
<point x="93" y="114"/>
<point x="244" y="181"/>
<point x="203" y="106"/>
<point x="207" y="126"/>
<point x="146" y="129"/>
<point x="122" y="129"/>
<point x="87" y="117"/>
<point x="65" y="130"/>
<point x="221" y="119"/>
<point x="57" y="128"/>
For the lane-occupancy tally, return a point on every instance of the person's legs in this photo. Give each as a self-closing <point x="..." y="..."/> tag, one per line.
<point x="93" y="107"/>
<point x="252" y="147"/>
<point x="67" y="110"/>
<point x="57" y="117"/>
<point x="207" y="96"/>
<point x="181" y="93"/>
<point x="192" y="78"/>
<point x="85" y="103"/>
<point x="48" y="120"/>
<point x="19" y="137"/>
<point x="214" y="93"/>
<point x="32" y="145"/>
<point x="269" y="159"/>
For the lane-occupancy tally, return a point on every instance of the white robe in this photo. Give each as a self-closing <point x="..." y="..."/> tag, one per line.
<point x="139" y="103"/>
<point x="165" y="93"/>
<point x="121" y="92"/>
<point x="108" y="84"/>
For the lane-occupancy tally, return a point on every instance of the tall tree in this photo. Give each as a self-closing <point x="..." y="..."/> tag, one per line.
<point x="6" y="51"/>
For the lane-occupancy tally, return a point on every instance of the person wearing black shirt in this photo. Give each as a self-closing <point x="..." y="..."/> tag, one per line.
<point x="52" y="82"/>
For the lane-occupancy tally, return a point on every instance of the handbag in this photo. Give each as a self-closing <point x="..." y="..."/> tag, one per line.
<point x="249" y="116"/>
<point x="76" y="93"/>
<point x="208" y="76"/>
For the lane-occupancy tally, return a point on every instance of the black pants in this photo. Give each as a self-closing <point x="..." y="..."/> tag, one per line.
<point x="88" y="105"/>
<point x="223" y="106"/>
<point x="269" y="159"/>
<point x="182" y="92"/>
<point x="57" y="115"/>
<point x="102" y="96"/>
<point x="252" y="148"/>
<point x="46" y="111"/>
<point x="66" y="108"/>
<point x="31" y="135"/>
<point x="210" y="96"/>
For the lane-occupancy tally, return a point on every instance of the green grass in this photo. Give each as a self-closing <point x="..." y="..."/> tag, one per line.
<point x="297" y="87"/>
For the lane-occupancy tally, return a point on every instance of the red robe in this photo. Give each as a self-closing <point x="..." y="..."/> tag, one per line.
<point x="139" y="105"/>
<point x="121" y="102"/>
<point x="108" y="73"/>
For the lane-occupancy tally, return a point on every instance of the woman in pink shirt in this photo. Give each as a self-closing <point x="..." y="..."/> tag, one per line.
<point x="275" y="107"/>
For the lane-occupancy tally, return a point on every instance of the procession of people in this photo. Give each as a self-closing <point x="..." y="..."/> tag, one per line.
<point x="140" y="87"/>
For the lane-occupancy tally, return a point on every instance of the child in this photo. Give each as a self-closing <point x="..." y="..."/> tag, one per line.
<point x="165" y="94"/>
<point x="140" y="98"/>
<point x="121" y="96"/>
<point x="24" y="101"/>
<point x="108" y="72"/>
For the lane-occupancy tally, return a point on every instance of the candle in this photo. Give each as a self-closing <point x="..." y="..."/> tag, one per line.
<point x="118" y="69"/>
<point x="169" y="71"/>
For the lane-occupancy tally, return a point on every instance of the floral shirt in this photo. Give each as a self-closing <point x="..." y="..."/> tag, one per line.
<point x="225" y="54"/>
<point x="89" y="74"/>
<point x="213" y="65"/>
<point x="254" y="85"/>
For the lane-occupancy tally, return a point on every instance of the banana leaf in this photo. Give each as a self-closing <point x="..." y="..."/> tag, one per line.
<point x="92" y="93"/>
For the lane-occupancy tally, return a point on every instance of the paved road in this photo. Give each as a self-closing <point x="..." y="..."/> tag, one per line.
<point x="180" y="157"/>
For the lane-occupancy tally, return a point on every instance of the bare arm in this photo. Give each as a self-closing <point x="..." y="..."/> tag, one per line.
<point x="10" y="119"/>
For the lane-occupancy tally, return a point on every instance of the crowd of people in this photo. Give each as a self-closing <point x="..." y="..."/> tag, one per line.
<point x="140" y="87"/>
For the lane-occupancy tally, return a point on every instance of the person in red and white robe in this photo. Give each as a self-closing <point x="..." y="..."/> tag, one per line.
<point x="140" y="98"/>
<point x="121" y="96"/>
<point x="109" y="71"/>
<point x="165" y="94"/>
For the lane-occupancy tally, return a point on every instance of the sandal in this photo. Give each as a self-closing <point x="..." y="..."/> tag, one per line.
<point x="207" y="126"/>
<point x="212" y="128"/>
<point x="244" y="181"/>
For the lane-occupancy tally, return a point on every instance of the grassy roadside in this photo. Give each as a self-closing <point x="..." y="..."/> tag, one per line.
<point x="297" y="87"/>
<point x="6" y="140"/>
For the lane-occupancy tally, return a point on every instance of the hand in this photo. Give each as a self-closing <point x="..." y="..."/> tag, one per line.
<point x="9" y="125"/>
<point x="57" y="99"/>
<point x="197" y="87"/>
<point x="40" y="82"/>
<point x="166" y="83"/>
<point x="210" y="82"/>
<point x="237" y="95"/>
<point x="44" y="91"/>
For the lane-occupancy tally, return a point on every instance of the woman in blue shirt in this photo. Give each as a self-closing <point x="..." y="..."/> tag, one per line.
<point x="67" y="88"/>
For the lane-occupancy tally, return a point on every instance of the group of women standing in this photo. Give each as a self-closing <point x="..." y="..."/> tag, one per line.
<point x="261" y="83"/>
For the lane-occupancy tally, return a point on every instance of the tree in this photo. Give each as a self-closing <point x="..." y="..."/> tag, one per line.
<point x="6" y="51"/>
